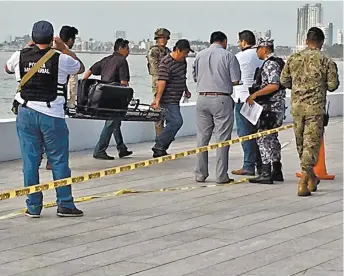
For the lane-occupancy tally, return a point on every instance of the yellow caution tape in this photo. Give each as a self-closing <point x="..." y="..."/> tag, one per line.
<point x="122" y="192"/>
<point x="141" y="164"/>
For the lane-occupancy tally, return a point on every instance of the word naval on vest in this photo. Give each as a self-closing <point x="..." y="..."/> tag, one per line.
<point x="43" y="86"/>
<point x="42" y="70"/>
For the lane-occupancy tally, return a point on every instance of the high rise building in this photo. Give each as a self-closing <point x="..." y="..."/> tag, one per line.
<point x="330" y="34"/>
<point x="307" y="16"/>
<point x="315" y="15"/>
<point x="120" y="34"/>
<point x="267" y="34"/>
<point x="325" y="30"/>
<point x="340" y="36"/>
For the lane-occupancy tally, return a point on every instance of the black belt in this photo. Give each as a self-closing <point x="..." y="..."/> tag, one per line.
<point x="213" y="94"/>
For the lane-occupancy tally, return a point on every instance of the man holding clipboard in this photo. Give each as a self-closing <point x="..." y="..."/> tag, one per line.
<point x="248" y="62"/>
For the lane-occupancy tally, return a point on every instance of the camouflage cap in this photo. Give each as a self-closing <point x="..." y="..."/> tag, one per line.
<point x="162" y="32"/>
<point x="264" y="42"/>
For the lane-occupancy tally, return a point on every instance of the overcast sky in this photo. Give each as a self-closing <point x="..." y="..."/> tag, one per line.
<point x="195" y="19"/>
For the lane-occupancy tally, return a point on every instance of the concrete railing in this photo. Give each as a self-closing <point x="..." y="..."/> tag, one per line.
<point x="84" y="134"/>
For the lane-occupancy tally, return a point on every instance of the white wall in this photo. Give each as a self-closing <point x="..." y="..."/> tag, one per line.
<point x="84" y="134"/>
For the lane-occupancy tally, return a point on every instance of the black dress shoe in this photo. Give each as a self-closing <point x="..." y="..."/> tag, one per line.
<point x="125" y="153"/>
<point x="225" y="182"/>
<point x="158" y="153"/>
<point x="66" y="212"/>
<point x="103" y="156"/>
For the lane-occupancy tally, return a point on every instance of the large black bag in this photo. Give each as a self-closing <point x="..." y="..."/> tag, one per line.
<point x="98" y="94"/>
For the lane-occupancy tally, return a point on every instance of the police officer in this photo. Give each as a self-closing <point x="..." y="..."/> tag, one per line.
<point x="309" y="74"/>
<point x="41" y="115"/>
<point x="268" y="92"/>
<point x="155" y="54"/>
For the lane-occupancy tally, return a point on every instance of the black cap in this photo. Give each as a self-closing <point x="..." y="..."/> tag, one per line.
<point x="42" y="32"/>
<point x="183" y="44"/>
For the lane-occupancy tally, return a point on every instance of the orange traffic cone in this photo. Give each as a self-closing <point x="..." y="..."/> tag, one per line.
<point x="320" y="167"/>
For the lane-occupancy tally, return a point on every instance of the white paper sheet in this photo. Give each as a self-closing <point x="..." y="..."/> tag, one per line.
<point x="251" y="113"/>
<point x="240" y="92"/>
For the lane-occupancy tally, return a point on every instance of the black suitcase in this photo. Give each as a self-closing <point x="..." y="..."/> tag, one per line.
<point x="97" y="94"/>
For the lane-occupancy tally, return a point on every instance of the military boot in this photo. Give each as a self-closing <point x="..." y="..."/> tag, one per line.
<point x="303" y="189"/>
<point x="259" y="169"/>
<point x="312" y="182"/>
<point x="264" y="177"/>
<point x="276" y="173"/>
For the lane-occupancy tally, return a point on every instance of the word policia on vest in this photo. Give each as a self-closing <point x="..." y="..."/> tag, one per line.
<point x="42" y="70"/>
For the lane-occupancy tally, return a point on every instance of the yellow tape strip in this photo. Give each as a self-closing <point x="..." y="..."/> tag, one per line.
<point x="141" y="164"/>
<point x="123" y="192"/>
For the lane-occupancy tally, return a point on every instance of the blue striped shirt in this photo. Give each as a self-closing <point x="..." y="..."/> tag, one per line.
<point x="215" y="69"/>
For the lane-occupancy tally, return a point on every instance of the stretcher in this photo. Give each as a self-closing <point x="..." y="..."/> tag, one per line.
<point x="98" y="100"/>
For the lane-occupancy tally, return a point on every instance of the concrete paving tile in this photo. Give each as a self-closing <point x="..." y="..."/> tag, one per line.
<point x="196" y="234"/>
<point x="332" y="265"/>
<point x="180" y="252"/>
<point x="60" y="269"/>
<point x="308" y="227"/>
<point x="332" y="207"/>
<point x="297" y="263"/>
<point x="335" y="245"/>
<point x="12" y="255"/>
<point x="312" y="272"/>
<point x="257" y="257"/>
<point x="249" y="219"/>
<point x="120" y="253"/>
<point x="25" y="265"/>
<point x="120" y="269"/>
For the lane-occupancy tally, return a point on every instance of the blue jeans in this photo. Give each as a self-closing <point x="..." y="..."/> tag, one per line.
<point x="37" y="131"/>
<point x="174" y="122"/>
<point x="110" y="127"/>
<point x="251" y="151"/>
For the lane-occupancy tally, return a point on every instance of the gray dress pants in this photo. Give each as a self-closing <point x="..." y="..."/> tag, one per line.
<point x="214" y="114"/>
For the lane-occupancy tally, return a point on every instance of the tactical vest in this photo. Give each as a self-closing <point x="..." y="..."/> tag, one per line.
<point x="162" y="53"/>
<point x="258" y="80"/>
<point x="43" y="86"/>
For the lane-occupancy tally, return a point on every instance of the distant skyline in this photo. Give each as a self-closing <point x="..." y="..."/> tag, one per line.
<point x="195" y="20"/>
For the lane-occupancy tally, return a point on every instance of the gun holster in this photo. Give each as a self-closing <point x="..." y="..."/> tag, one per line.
<point x="326" y="119"/>
<point x="15" y="107"/>
<point x="267" y="119"/>
<point x="327" y="116"/>
<point x="253" y="89"/>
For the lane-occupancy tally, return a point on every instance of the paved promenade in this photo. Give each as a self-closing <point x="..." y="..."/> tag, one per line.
<point x="244" y="229"/>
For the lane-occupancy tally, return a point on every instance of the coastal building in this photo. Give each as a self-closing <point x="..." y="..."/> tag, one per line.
<point x="307" y="16"/>
<point x="145" y="44"/>
<point x="340" y="34"/>
<point x="330" y="34"/>
<point x="120" y="34"/>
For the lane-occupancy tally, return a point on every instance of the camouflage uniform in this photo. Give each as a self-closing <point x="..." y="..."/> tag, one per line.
<point x="309" y="74"/>
<point x="269" y="146"/>
<point x="154" y="56"/>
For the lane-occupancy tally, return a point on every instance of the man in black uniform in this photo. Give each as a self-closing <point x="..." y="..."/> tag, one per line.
<point x="268" y="92"/>
<point x="113" y="68"/>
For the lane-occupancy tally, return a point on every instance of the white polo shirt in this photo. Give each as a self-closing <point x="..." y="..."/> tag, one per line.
<point x="248" y="61"/>
<point x="67" y="66"/>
